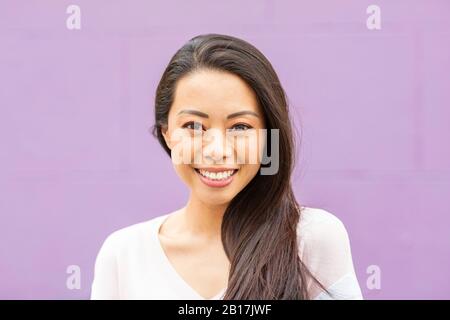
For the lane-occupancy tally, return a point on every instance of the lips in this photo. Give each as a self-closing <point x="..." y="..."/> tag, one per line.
<point x="216" y="177"/>
<point x="221" y="174"/>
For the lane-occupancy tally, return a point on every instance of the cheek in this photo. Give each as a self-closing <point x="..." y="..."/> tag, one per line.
<point x="185" y="149"/>
<point x="249" y="149"/>
<point x="248" y="172"/>
<point x="186" y="173"/>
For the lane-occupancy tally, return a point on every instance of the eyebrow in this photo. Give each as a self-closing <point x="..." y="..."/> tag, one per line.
<point x="230" y="116"/>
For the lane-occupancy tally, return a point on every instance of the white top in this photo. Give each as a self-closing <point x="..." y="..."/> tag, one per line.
<point x="132" y="264"/>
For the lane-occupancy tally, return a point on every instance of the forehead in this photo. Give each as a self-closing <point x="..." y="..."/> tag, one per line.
<point x="214" y="92"/>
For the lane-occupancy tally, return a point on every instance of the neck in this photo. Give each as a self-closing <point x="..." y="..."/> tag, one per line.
<point x="202" y="219"/>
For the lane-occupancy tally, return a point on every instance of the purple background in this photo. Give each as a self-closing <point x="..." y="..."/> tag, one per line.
<point x="77" y="161"/>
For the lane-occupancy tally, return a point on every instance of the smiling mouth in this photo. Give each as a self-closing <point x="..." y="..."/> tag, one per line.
<point x="216" y="175"/>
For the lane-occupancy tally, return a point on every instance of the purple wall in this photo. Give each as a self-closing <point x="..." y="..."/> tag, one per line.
<point x="77" y="161"/>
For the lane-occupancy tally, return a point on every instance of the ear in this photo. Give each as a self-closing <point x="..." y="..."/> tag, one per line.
<point x="166" y="136"/>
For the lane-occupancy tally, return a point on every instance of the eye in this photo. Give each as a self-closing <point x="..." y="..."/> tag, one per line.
<point x="193" y="125"/>
<point x="240" y="127"/>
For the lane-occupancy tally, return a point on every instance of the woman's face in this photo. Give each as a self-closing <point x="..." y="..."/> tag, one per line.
<point x="213" y="133"/>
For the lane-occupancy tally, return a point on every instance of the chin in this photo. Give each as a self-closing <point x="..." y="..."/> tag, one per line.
<point x="213" y="197"/>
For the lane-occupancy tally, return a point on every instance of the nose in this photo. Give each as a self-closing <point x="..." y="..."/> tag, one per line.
<point x="216" y="148"/>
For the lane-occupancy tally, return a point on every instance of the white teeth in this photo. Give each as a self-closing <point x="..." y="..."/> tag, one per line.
<point x="216" y="175"/>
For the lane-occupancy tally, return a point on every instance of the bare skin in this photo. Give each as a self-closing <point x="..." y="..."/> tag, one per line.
<point x="191" y="236"/>
<point x="201" y="261"/>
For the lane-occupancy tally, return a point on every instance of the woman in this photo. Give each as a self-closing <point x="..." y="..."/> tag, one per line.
<point x="242" y="234"/>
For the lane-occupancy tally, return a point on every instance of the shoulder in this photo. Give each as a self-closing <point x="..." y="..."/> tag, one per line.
<point x="313" y="217"/>
<point x="321" y="233"/>
<point x="325" y="249"/>
<point x="126" y="237"/>
<point x="322" y="229"/>
<point x="117" y="257"/>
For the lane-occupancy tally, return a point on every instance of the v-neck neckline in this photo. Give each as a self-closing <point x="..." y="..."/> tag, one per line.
<point x="174" y="273"/>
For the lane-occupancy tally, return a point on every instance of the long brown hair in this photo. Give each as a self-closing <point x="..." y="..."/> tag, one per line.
<point x="259" y="227"/>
